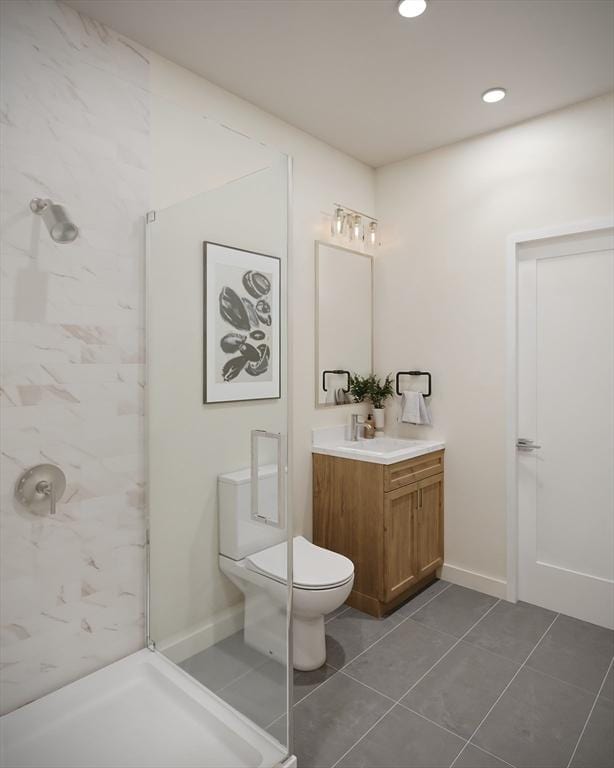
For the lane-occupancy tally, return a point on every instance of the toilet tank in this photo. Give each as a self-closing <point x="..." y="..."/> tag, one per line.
<point x="240" y="535"/>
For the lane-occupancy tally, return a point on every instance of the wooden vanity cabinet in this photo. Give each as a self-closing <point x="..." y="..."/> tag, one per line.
<point x="388" y="519"/>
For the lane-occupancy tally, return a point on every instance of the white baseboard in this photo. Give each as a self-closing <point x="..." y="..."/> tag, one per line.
<point x="474" y="580"/>
<point x="181" y="646"/>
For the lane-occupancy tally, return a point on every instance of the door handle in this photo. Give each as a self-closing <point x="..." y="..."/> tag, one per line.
<point x="524" y="444"/>
<point x="256" y="435"/>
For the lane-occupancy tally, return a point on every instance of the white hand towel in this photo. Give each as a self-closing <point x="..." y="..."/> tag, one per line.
<point x="415" y="410"/>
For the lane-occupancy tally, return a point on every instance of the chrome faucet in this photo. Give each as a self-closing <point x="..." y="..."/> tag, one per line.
<point x="355" y="428"/>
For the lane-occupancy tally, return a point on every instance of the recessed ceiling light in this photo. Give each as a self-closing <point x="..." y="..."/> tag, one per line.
<point x="493" y="95"/>
<point x="409" y="9"/>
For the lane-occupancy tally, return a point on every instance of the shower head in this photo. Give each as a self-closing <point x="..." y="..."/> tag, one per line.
<point x="60" y="227"/>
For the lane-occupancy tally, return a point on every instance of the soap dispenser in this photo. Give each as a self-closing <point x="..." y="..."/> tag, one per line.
<point x="369" y="428"/>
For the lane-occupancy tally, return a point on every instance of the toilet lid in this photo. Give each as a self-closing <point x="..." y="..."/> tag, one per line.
<point x="314" y="567"/>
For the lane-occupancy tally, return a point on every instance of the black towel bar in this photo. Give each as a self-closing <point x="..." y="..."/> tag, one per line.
<point x="414" y="373"/>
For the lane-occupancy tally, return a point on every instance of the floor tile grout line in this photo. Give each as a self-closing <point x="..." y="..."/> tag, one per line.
<point x="328" y="678"/>
<point x="500" y="696"/>
<point x="357" y="742"/>
<point x="409" y="709"/>
<point x="317" y="688"/>
<point x="526" y="661"/>
<point x="340" y="669"/>
<point x="240" y="677"/>
<point x="491" y="653"/>
<point x="517" y="661"/>
<point x="492" y="754"/>
<point x="560" y="680"/>
<point x="433" y="722"/>
<point x="294" y="703"/>
<point x="468" y="642"/>
<point x="450" y="649"/>
<point x="370" y="687"/>
<point x="277" y="719"/>
<point x="588" y="717"/>
<point x="335" y="671"/>
<point x="396" y="626"/>
<point x="233" y="680"/>
<point x="416" y="683"/>
<point x="254" y="669"/>
<point x="337" y="615"/>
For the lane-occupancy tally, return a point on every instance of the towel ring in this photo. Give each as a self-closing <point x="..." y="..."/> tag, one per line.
<point x="338" y="372"/>
<point x="414" y="373"/>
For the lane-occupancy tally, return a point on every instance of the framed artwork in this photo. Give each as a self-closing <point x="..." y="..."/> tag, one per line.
<point x="242" y="303"/>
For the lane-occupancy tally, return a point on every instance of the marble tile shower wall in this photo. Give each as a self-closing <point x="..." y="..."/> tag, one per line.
<point x="75" y="128"/>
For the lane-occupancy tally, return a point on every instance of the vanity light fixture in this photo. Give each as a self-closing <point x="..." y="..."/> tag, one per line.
<point x="409" y="9"/>
<point x="352" y="225"/>
<point x="493" y="95"/>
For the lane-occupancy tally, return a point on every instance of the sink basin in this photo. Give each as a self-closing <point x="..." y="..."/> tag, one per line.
<point x="380" y="445"/>
<point x="380" y="450"/>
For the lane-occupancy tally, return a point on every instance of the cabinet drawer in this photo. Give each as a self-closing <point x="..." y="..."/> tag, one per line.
<point x="412" y="470"/>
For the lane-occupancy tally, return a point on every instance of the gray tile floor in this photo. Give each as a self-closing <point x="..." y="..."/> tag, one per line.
<point x="452" y="678"/>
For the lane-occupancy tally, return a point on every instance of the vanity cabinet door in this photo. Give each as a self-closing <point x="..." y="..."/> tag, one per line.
<point x="400" y="556"/>
<point x="428" y="521"/>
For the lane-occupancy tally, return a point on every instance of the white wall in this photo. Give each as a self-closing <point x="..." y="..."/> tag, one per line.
<point x="440" y="293"/>
<point x="75" y="123"/>
<point x="191" y="154"/>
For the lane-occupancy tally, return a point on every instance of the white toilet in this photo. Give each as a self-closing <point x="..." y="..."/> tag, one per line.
<point x="253" y="555"/>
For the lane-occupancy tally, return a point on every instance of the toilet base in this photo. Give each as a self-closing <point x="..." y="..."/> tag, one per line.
<point x="309" y="643"/>
<point x="265" y="618"/>
<point x="265" y="624"/>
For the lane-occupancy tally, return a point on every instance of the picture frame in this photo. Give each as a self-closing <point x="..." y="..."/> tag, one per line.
<point x="241" y="324"/>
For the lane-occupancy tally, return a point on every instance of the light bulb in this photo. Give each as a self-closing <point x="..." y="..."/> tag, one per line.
<point x="356" y="226"/>
<point x="338" y="221"/>
<point x="409" y="9"/>
<point x="372" y="232"/>
<point x="492" y="95"/>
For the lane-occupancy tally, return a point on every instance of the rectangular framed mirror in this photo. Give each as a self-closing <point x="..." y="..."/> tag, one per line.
<point x="344" y="320"/>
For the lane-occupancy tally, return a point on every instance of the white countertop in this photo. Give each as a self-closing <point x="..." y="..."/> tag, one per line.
<point x="332" y="441"/>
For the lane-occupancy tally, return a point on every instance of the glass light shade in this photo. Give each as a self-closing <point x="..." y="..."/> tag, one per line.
<point x="492" y="95"/>
<point x="338" y="221"/>
<point x="409" y="9"/>
<point x="372" y="232"/>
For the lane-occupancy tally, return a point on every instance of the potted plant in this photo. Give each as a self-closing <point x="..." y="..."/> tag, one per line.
<point x="359" y="387"/>
<point x="378" y="393"/>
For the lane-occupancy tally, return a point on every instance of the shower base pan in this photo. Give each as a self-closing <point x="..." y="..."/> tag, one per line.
<point x="140" y="712"/>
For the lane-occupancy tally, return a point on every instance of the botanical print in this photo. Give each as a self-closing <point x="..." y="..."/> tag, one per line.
<point x="243" y="327"/>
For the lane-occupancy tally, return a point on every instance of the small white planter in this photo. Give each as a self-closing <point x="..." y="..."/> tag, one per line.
<point x="379" y="416"/>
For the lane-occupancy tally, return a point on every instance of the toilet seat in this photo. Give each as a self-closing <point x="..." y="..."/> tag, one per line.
<point x="314" y="568"/>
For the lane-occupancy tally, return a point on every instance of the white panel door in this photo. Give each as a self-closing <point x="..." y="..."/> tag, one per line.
<point x="566" y="425"/>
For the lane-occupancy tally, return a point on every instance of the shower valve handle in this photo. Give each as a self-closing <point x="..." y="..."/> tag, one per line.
<point x="39" y="488"/>
<point x="47" y="488"/>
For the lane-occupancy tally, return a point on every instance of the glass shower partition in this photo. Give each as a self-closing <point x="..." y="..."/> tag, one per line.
<point x="217" y="420"/>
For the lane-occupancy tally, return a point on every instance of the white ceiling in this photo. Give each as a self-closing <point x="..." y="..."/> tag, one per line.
<point x="379" y="87"/>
